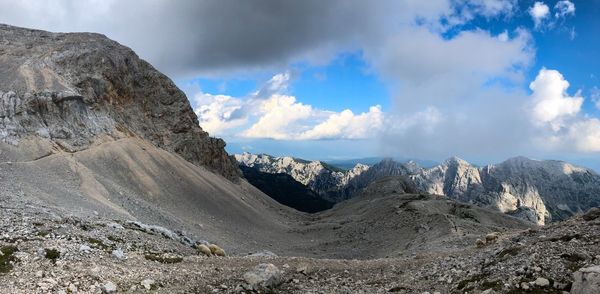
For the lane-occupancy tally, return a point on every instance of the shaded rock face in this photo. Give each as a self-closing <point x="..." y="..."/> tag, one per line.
<point x="327" y="181"/>
<point x="73" y="89"/>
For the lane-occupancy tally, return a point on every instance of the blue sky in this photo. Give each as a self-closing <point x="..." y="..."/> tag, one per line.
<point x="480" y="79"/>
<point x="566" y="43"/>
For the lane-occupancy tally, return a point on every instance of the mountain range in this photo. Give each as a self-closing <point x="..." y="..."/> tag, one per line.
<point x="539" y="191"/>
<point x="108" y="184"/>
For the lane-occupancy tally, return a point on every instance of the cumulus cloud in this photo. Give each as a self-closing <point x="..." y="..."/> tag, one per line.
<point x="551" y="101"/>
<point x="270" y="113"/>
<point x="347" y="125"/>
<point x="539" y="12"/>
<point x="279" y="115"/>
<point x="217" y="113"/>
<point x="564" y="8"/>
<point x="558" y="117"/>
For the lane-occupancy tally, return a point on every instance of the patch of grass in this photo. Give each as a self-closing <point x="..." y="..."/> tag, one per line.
<point x="96" y="243"/>
<point x="162" y="258"/>
<point x="115" y="239"/>
<point x="7" y="258"/>
<point x="43" y="233"/>
<point x="52" y="254"/>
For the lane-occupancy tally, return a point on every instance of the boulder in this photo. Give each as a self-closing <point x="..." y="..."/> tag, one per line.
<point x="586" y="280"/>
<point x="264" y="276"/>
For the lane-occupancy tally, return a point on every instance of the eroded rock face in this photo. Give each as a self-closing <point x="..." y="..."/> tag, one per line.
<point x="73" y="89"/>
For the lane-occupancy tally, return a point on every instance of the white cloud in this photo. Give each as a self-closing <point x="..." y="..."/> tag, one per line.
<point x="347" y="125"/>
<point x="539" y="12"/>
<point x="584" y="135"/>
<point x="550" y="98"/>
<point x="269" y="113"/>
<point x="216" y="113"/>
<point x="279" y="115"/>
<point x="551" y="102"/>
<point x="570" y="130"/>
<point x="564" y="8"/>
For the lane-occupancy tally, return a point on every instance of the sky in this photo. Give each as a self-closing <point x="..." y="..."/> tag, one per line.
<point x="484" y="80"/>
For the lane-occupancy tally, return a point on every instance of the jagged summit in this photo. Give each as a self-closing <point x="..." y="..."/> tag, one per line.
<point x="70" y="91"/>
<point x="320" y="177"/>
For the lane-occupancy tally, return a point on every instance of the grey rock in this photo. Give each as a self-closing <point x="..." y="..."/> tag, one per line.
<point x="73" y="89"/>
<point x="586" y="280"/>
<point x="264" y="276"/>
<point x="263" y="253"/>
<point x="592" y="214"/>
<point x="148" y="283"/>
<point x="109" y="288"/>
<point x="542" y="282"/>
<point x="118" y="254"/>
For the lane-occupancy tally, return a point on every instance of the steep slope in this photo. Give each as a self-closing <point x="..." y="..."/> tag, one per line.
<point x="285" y="190"/>
<point x="324" y="179"/>
<point x="130" y="179"/>
<point x="75" y="89"/>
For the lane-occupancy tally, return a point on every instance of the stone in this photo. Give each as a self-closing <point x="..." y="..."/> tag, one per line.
<point x="586" y="280"/>
<point x="109" y="288"/>
<point x="263" y="253"/>
<point x="542" y="282"/>
<point x="262" y="277"/>
<point x="118" y="254"/>
<point x="148" y="284"/>
<point x="592" y="214"/>
<point x="85" y="249"/>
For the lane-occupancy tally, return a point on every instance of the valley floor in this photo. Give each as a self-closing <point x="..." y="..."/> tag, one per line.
<point x="45" y="251"/>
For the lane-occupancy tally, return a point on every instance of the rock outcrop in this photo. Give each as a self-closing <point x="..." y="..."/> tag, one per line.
<point x="324" y="179"/>
<point x="73" y="90"/>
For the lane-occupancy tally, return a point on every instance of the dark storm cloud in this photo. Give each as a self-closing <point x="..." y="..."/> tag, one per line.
<point x="189" y="37"/>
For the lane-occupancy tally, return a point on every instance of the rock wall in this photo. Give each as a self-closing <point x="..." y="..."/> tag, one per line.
<point x="75" y="88"/>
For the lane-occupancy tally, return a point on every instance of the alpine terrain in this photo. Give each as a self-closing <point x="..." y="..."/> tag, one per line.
<point x="108" y="184"/>
<point x="538" y="191"/>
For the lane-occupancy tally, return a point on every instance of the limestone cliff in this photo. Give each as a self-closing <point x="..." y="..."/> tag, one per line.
<point x="73" y="89"/>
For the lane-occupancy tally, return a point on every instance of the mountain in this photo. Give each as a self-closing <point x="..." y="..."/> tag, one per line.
<point x="350" y="163"/>
<point x="285" y="190"/>
<point x="72" y="91"/>
<point x="538" y="191"/>
<point x="107" y="185"/>
<point x="322" y="178"/>
<point x="534" y="190"/>
<point x="89" y="129"/>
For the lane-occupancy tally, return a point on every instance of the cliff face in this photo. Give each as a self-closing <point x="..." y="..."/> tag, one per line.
<point x="77" y="88"/>
<point x="326" y="180"/>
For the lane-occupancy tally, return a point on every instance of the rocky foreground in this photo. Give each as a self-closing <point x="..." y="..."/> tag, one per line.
<point x="46" y="251"/>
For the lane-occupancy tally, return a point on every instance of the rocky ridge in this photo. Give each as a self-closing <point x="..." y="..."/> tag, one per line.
<point x="539" y="191"/>
<point x="66" y="92"/>
<point x="322" y="178"/>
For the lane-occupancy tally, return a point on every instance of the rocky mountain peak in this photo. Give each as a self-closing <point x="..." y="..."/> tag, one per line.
<point x="67" y="91"/>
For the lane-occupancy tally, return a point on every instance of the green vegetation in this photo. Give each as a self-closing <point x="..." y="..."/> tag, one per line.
<point x="7" y="258"/>
<point x="52" y="254"/>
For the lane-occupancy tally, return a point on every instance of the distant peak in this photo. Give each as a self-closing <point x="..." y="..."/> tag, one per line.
<point x="457" y="160"/>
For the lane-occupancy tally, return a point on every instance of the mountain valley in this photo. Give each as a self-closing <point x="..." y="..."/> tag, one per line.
<point x="109" y="184"/>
